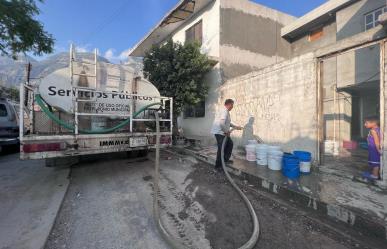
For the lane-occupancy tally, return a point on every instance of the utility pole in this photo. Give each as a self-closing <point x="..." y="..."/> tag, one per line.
<point x="28" y="77"/>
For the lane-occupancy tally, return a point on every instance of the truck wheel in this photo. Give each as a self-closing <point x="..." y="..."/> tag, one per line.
<point x="132" y="154"/>
<point x="143" y="153"/>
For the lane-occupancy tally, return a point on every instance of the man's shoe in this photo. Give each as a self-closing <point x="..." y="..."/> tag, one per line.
<point x="219" y="169"/>
<point x="230" y="161"/>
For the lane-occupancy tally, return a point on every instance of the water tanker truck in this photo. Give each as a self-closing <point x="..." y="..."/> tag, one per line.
<point x="91" y="107"/>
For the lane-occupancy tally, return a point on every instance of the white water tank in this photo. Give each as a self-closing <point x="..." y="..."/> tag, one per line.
<point x="56" y="89"/>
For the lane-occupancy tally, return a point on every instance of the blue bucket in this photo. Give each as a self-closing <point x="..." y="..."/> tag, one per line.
<point x="304" y="156"/>
<point x="290" y="166"/>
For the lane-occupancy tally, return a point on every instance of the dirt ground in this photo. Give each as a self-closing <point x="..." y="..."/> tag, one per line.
<point x="109" y="205"/>
<point x="281" y="225"/>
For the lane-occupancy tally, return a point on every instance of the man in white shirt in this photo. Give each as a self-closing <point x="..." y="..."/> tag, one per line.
<point x="221" y="128"/>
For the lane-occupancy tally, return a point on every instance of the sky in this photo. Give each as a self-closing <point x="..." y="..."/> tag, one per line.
<point x="114" y="26"/>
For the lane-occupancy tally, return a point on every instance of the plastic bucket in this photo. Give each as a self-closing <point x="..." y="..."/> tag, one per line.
<point x="250" y="153"/>
<point x="305" y="167"/>
<point x="290" y="166"/>
<point x="331" y="147"/>
<point x="274" y="147"/>
<point x="252" y="142"/>
<point x="304" y="156"/>
<point x="261" y="154"/>
<point x="275" y="160"/>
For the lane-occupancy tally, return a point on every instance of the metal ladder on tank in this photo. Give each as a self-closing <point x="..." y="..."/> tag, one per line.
<point x="77" y="89"/>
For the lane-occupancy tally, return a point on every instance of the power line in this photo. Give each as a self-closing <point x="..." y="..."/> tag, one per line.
<point x="107" y="21"/>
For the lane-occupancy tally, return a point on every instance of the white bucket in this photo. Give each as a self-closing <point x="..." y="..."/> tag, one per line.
<point x="261" y="154"/>
<point x="252" y="142"/>
<point x="305" y="167"/>
<point x="275" y="159"/>
<point x="331" y="147"/>
<point x="250" y="152"/>
<point x="261" y="159"/>
<point x="274" y="148"/>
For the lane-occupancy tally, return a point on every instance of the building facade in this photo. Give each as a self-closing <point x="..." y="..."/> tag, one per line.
<point x="303" y="83"/>
<point x="318" y="99"/>
<point x="240" y="35"/>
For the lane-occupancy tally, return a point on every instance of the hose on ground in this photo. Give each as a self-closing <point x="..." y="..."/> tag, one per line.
<point x="71" y="127"/>
<point x="174" y="243"/>
<point x="255" y="235"/>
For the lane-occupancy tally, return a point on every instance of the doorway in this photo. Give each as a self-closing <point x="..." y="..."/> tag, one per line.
<point x="349" y="92"/>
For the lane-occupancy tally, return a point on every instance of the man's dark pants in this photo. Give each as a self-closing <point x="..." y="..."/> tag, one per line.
<point x="227" y="150"/>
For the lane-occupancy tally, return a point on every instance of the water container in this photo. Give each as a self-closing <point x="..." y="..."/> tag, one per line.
<point x="252" y="142"/>
<point x="305" y="167"/>
<point x="290" y="166"/>
<point x="331" y="147"/>
<point x="274" y="147"/>
<point x="261" y="154"/>
<point x="275" y="159"/>
<point x="250" y="153"/>
<point x="305" y="158"/>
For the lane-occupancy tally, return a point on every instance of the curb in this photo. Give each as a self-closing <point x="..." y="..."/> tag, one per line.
<point x="61" y="202"/>
<point x="367" y="225"/>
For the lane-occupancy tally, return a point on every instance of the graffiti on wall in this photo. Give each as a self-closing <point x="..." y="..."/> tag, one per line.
<point x="268" y="107"/>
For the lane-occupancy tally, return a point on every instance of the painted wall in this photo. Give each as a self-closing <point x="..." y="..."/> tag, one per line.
<point x="282" y="100"/>
<point x="210" y="18"/>
<point x="199" y="128"/>
<point x="250" y="37"/>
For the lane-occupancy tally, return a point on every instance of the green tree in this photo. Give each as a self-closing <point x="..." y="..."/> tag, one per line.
<point x="178" y="71"/>
<point x="14" y="93"/>
<point x="19" y="31"/>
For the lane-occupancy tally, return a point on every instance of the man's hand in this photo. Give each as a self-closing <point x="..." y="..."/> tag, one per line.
<point x="227" y="134"/>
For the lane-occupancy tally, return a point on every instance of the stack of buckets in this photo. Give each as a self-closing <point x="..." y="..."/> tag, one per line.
<point x="269" y="155"/>
<point x="296" y="163"/>
<point x="292" y="165"/>
<point x="250" y="150"/>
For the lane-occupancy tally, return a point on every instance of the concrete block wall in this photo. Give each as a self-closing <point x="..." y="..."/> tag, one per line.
<point x="250" y="37"/>
<point x="282" y="100"/>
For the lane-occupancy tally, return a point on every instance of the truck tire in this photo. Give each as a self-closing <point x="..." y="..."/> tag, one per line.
<point x="143" y="153"/>
<point x="137" y="153"/>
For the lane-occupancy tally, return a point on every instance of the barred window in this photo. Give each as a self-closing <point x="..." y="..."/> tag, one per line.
<point x="195" y="111"/>
<point x="371" y="20"/>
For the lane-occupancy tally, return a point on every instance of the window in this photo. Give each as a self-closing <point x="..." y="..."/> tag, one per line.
<point x="316" y="34"/>
<point x="3" y="111"/>
<point x="372" y="19"/>
<point x="196" y="111"/>
<point x="194" y="33"/>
